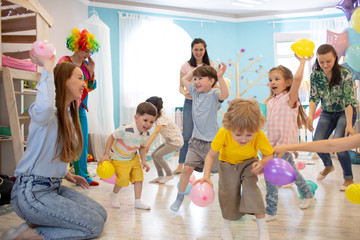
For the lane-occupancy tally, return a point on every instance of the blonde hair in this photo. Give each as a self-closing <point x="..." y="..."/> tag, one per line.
<point x="243" y="114"/>
<point x="287" y="74"/>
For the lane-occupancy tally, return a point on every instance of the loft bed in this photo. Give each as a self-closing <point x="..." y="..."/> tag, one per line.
<point x="22" y="23"/>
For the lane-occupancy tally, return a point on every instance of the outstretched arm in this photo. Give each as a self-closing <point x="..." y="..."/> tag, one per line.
<point x="324" y="146"/>
<point x="294" y="90"/>
<point x="224" y="91"/>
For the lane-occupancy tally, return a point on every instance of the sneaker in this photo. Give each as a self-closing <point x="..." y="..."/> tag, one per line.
<point x="268" y="218"/>
<point x="345" y="185"/>
<point x="14" y="232"/>
<point x="305" y="203"/>
<point x="140" y="205"/>
<point x="324" y="173"/>
<point x="166" y="179"/>
<point x="114" y="200"/>
<point x="176" y="172"/>
<point x="156" y="180"/>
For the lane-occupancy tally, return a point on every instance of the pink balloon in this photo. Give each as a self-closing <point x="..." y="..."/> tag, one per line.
<point x="110" y="180"/>
<point x="202" y="194"/>
<point x="192" y="178"/>
<point x="339" y="41"/>
<point x="300" y="165"/>
<point x="44" y="48"/>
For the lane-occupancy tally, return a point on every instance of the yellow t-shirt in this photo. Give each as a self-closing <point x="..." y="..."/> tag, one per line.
<point x="232" y="152"/>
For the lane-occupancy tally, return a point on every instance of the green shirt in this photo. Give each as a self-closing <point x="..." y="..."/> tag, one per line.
<point x="335" y="99"/>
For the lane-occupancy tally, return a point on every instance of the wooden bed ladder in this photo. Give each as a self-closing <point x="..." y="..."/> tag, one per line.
<point x="9" y="75"/>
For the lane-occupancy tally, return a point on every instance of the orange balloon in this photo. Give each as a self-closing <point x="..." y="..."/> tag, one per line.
<point x="303" y="48"/>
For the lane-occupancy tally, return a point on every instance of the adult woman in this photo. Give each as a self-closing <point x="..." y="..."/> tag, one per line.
<point x="332" y="85"/>
<point x="199" y="57"/>
<point x="83" y="44"/>
<point x="53" y="211"/>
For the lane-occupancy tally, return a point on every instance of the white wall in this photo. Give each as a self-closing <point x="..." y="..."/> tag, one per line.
<point x="67" y="15"/>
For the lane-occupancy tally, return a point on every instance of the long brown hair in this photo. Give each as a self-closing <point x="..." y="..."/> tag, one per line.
<point x="301" y="118"/>
<point x="336" y="73"/>
<point x="206" y="59"/>
<point x="69" y="142"/>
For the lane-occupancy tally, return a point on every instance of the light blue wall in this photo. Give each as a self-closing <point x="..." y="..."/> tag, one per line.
<point x="224" y="40"/>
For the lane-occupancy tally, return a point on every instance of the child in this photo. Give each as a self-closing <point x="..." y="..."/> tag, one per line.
<point x="284" y="116"/>
<point x="206" y="103"/>
<point x="121" y="148"/>
<point x="173" y="141"/>
<point x="51" y="210"/>
<point x="238" y="142"/>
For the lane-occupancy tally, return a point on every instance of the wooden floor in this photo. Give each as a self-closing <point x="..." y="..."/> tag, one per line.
<point x="331" y="215"/>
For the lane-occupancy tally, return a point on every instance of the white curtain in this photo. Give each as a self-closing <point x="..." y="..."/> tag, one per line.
<point x="152" y="51"/>
<point x="100" y="102"/>
<point x="318" y="28"/>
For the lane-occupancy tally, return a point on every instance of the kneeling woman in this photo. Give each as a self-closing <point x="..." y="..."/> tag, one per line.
<point x="53" y="211"/>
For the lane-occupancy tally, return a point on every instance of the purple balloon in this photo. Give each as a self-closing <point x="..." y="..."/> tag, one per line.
<point x="279" y="172"/>
<point x="348" y="6"/>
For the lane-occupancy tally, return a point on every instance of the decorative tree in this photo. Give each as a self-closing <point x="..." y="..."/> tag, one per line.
<point x="237" y="75"/>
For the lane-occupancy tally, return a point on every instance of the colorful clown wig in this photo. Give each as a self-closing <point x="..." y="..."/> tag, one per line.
<point x="83" y="40"/>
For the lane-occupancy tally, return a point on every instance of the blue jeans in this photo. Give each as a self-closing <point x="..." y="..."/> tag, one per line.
<point x="58" y="212"/>
<point x="272" y="190"/>
<point x="327" y="124"/>
<point x="188" y="127"/>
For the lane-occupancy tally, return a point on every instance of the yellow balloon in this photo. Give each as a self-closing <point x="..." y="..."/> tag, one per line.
<point x="355" y="20"/>
<point x="303" y="48"/>
<point x="352" y="193"/>
<point x="105" y="170"/>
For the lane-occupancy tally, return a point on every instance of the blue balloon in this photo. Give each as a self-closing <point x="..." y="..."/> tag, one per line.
<point x="312" y="187"/>
<point x="354" y="74"/>
<point x="353" y="36"/>
<point x="352" y="56"/>
<point x="188" y="188"/>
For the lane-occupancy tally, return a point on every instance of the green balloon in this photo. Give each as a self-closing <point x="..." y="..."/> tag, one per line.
<point x="312" y="187"/>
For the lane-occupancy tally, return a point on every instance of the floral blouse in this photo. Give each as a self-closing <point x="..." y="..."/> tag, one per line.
<point x="335" y="99"/>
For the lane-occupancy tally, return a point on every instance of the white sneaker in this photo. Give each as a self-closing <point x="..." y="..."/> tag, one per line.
<point x="268" y="218"/>
<point x="114" y="200"/>
<point x="305" y="203"/>
<point x="156" y="180"/>
<point x="166" y="179"/>
<point x="140" y="205"/>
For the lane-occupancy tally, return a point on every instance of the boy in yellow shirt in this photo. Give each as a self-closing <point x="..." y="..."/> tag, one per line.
<point x="238" y="143"/>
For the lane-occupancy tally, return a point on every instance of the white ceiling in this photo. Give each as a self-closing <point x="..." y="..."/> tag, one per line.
<point x="226" y="9"/>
